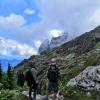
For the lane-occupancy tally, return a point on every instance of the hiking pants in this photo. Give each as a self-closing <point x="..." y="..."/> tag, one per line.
<point x="53" y="87"/>
<point x="32" y="91"/>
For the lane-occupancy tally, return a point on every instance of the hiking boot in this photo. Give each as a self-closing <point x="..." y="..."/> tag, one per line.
<point x="46" y="98"/>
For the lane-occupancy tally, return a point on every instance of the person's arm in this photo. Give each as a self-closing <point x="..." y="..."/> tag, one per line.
<point x="48" y="74"/>
<point x="58" y="71"/>
<point x="36" y="72"/>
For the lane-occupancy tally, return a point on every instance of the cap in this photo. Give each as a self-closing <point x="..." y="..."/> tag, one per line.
<point x="53" y="61"/>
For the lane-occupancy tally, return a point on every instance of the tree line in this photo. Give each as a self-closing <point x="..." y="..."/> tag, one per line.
<point x="7" y="78"/>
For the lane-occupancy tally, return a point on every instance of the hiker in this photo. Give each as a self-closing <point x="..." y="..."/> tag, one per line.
<point x="30" y="77"/>
<point x="20" y="78"/>
<point x="53" y="77"/>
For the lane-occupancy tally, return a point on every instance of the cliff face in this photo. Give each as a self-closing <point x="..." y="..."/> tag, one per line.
<point x="72" y="57"/>
<point x="44" y="46"/>
<point x="53" y="43"/>
<point x="81" y="44"/>
<point x="58" y="41"/>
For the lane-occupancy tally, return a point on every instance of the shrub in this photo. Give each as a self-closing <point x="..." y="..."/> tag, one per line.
<point x="76" y="93"/>
<point x="7" y="95"/>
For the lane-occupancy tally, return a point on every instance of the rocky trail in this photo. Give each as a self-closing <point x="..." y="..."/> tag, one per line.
<point x="24" y="96"/>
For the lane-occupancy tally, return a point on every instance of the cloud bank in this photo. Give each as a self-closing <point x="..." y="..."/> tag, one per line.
<point x="29" y="11"/>
<point x="74" y="17"/>
<point x="12" y="47"/>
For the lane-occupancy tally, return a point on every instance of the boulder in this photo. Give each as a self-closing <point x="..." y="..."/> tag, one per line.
<point x="88" y="79"/>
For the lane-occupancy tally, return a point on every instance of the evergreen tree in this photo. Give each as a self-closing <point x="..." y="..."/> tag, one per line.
<point x="20" y="78"/>
<point x="9" y="72"/>
<point x="10" y="77"/>
<point x="0" y="72"/>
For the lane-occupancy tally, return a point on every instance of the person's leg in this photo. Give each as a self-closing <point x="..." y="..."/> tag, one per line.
<point x="35" y="85"/>
<point x="30" y="92"/>
<point x="48" y="91"/>
<point x="55" y="96"/>
<point x="34" y="95"/>
<point x="55" y="90"/>
<point x="47" y="94"/>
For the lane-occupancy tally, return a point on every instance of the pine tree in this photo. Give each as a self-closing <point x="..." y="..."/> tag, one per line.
<point x="9" y="72"/>
<point x="10" y="77"/>
<point x="0" y="72"/>
<point x="20" y="79"/>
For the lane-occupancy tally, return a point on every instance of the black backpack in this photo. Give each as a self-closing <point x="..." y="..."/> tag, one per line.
<point x="53" y="75"/>
<point x="30" y="79"/>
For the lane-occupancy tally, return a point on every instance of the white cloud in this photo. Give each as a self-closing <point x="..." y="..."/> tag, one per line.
<point x="29" y="11"/>
<point x="15" y="25"/>
<point x="37" y="43"/>
<point x="13" y="20"/>
<point x="55" y="33"/>
<point x="95" y="17"/>
<point x="11" y="47"/>
<point x="72" y="16"/>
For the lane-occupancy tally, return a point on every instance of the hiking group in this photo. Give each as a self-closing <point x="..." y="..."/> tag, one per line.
<point x="30" y="77"/>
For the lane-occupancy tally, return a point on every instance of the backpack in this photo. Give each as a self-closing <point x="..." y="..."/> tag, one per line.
<point x="30" y="79"/>
<point x="53" y="75"/>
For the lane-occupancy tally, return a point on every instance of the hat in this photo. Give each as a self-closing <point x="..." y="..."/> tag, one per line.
<point x="53" y="61"/>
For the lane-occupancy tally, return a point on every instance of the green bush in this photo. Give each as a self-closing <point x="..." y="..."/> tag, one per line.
<point x="76" y="93"/>
<point x="1" y="86"/>
<point x="7" y="95"/>
<point x="92" y="60"/>
<point x="62" y="82"/>
<point x="42" y="88"/>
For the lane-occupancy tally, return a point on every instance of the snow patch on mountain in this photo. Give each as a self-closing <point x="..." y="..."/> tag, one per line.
<point x="54" y="42"/>
<point x="44" y="46"/>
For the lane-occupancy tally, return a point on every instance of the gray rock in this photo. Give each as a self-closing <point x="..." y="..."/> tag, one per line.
<point x="24" y="96"/>
<point x="54" y="42"/>
<point x="89" y="78"/>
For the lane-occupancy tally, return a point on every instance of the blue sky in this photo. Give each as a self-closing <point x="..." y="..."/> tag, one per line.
<point x="24" y="24"/>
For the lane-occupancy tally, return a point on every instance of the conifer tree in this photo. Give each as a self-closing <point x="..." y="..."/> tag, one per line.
<point x="9" y="72"/>
<point x="0" y="72"/>
<point x="10" y="77"/>
<point x="20" y="78"/>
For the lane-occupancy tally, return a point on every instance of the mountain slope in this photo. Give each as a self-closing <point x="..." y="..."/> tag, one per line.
<point x="58" y="41"/>
<point x="72" y="57"/>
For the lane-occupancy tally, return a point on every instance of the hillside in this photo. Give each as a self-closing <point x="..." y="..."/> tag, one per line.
<point x="48" y="45"/>
<point x="72" y="57"/>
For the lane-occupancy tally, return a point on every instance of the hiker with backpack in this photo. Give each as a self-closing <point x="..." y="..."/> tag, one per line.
<point x="31" y="79"/>
<point x="53" y="77"/>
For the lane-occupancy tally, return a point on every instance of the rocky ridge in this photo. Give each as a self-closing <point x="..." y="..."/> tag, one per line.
<point x="73" y="59"/>
<point x="75" y="53"/>
<point x="88" y="79"/>
<point x="48" y="45"/>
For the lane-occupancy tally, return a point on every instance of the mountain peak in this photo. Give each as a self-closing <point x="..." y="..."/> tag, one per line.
<point x="72" y="57"/>
<point x="44" y="46"/>
<point x="57" y="41"/>
<point x="54" y="42"/>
